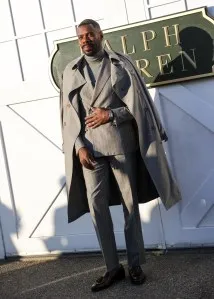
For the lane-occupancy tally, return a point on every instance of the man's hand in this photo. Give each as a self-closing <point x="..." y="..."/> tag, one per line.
<point x="98" y="117"/>
<point x="86" y="158"/>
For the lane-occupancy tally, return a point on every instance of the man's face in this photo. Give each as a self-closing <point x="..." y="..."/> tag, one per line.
<point x="90" y="39"/>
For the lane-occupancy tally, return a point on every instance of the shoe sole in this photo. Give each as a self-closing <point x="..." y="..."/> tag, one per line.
<point x="113" y="282"/>
<point x="138" y="282"/>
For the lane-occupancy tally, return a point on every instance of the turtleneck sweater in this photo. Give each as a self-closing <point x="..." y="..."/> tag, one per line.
<point x="94" y="64"/>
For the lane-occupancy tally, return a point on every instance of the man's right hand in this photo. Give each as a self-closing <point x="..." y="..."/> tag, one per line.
<point x="86" y="158"/>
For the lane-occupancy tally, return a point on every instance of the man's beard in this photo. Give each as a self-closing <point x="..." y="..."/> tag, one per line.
<point x="94" y="49"/>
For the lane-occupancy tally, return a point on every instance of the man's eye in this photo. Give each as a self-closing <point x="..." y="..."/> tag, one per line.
<point x="91" y="35"/>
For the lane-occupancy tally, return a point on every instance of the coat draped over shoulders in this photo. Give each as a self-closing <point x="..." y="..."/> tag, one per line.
<point x="154" y="177"/>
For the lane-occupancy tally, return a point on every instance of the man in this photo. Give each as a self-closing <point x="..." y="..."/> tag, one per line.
<point x="113" y="149"/>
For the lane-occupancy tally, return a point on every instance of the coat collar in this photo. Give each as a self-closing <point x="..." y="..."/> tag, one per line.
<point x="117" y="68"/>
<point x="74" y="76"/>
<point x="76" y="62"/>
<point x="117" y="71"/>
<point x="112" y="56"/>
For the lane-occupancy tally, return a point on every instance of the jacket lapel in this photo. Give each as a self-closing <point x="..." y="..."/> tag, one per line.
<point x="88" y="89"/>
<point x="104" y="74"/>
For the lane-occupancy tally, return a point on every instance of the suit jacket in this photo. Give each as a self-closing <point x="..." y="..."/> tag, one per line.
<point x="112" y="138"/>
<point x="154" y="177"/>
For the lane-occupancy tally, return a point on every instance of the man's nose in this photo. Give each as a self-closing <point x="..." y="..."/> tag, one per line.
<point x="85" y="39"/>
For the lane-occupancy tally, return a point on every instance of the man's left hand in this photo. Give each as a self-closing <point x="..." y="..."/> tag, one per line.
<point x="98" y="117"/>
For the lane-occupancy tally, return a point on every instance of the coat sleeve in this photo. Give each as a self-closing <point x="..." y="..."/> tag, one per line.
<point x="158" y="121"/>
<point x="78" y="144"/>
<point x="121" y="115"/>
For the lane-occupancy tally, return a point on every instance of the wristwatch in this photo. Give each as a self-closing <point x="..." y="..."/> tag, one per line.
<point x="111" y="115"/>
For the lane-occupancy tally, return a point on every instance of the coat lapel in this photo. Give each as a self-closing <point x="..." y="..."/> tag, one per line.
<point x="74" y="78"/>
<point x="117" y="74"/>
<point x="77" y="81"/>
<point x="118" y="71"/>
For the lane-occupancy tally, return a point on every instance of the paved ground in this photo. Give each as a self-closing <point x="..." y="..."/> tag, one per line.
<point x="175" y="275"/>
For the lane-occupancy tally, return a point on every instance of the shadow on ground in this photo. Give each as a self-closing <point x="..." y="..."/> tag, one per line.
<point x="176" y="275"/>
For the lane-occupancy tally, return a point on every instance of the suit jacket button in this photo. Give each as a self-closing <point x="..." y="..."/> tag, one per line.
<point x="68" y="105"/>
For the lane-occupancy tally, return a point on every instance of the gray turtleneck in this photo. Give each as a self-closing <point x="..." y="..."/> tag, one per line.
<point x="94" y="64"/>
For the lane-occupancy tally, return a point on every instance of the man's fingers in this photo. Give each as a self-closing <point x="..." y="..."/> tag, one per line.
<point x="89" y="117"/>
<point x="97" y="118"/>
<point x="91" y="158"/>
<point x="93" y="124"/>
<point x="88" y="162"/>
<point x="88" y="165"/>
<point x="96" y="125"/>
<point x="90" y="121"/>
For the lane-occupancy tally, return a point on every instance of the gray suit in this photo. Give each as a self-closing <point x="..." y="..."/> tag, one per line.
<point x="113" y="145"/>
<point x="109" y="139"/>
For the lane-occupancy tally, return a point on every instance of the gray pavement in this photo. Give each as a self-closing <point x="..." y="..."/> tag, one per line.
<point x="174" y="275"/>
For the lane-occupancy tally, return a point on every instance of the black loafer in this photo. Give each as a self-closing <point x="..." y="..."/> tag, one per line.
<point x="137" y="275"/>
<point x="108" y="279"/>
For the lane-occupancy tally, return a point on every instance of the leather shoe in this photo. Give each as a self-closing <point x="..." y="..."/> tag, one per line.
<point x="137" y="275"/>
<point x="108" y="279"/>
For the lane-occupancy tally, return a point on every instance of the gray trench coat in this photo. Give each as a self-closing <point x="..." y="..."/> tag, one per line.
<point x="154" y="176"/>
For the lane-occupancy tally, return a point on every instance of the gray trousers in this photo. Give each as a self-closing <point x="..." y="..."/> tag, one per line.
<point x="98" y="192"/>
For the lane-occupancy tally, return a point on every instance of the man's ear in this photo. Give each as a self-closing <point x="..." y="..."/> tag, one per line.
<point x="101" y="34"/>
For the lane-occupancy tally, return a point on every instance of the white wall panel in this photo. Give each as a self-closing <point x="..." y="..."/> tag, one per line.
<point x="136" y="10"/>
<point x="57" y="13"/>
<point x="26" y="91"/>
<point x="93" y="9"/>
<point x="35" y="113"/>
<point x="208" y="221"/>
<point x="57" y="217"/>
<point x="109" y="13"/>
<point x="199" y="3"/>
<point x="6" y="29"/>
<point x="36" y="169"/>
<point x="34" y="57"/>
<point x="160" y="2"/>
<point x="167" y="9"/>
<point x="10" y="68"/>
<point x="59" y="34"/>
<point x="204" y="93"/>
<point x="115" y="13"/>
<point x="27" y="16"/>
<point x="188" y="119"/>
